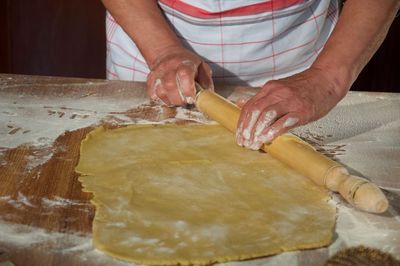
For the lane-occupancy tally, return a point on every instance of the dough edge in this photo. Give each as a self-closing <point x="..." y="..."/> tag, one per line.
<point x="240" y="257"/>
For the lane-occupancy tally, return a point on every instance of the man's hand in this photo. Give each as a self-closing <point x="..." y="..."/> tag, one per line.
<point x="284" y="104"/>
<point x="307" y="96"/>
<point x="173" y="75"/>
<point x="174" y="69"/>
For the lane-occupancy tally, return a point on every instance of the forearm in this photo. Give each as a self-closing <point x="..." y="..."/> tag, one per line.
<point x="359" y="32"/>
<point x="143" y="21"/>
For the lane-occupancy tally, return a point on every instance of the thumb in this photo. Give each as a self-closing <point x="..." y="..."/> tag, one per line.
<point x="204" y="76"/>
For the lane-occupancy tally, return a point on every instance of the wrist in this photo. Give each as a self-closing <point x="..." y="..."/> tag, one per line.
<point x="340" y="76"/>
<point x="163" y="52"/>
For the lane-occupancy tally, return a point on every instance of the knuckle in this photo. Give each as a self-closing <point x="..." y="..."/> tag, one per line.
<point x="247" y="107"/>
<point x="161" y="92"/>
<point x="175" y="100"/>
<point x="286" y="92"/>
<point x="281" y="93"/>
<point x="306" y="109"/>
<point x="185" y="73"/>
<point x="207" y="68"/>
<point x="169" y="83"/>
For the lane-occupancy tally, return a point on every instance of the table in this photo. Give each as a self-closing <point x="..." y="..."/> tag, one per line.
<point x="45" y="218"/>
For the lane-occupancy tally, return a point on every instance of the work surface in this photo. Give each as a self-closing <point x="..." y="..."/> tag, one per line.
<point x="45" y="218"/>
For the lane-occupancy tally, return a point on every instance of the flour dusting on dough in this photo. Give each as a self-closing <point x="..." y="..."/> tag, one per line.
<point x="23" y="237"/>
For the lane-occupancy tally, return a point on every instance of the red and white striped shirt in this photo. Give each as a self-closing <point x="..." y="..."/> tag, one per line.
<point x="245" y="42"/>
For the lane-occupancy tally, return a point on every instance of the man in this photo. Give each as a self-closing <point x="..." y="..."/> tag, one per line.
<point x="301" y="52"/>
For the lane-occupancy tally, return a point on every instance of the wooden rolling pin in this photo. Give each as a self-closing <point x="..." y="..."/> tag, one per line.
<point x="302" y="157"/>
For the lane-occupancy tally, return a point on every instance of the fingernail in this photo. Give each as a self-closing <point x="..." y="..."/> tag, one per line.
<point x="178" y="84"/>
<point x="253" y="120"/>
<point x="157" y="83"/>
<point x="291" y="121"/>
<point x="239" y="140"/>
<point x="246" y="143"/>
<point x="190" y="63"/>
<point x="268" y="137"/>
<point x="187" y="62"/>
<point x="255" y="146"/>
<point x="268" y="118"/>
<point x="154" y="94"/>
<point x="189" y="100"/>
<point x="239" y="134"/>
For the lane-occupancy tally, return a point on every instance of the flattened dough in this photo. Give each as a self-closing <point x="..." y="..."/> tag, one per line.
<point x="171" y="194"/>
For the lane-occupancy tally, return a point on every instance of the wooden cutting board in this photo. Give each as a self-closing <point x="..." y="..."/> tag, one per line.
<point x="46" y="219"/>
<point x="38" y="185"/>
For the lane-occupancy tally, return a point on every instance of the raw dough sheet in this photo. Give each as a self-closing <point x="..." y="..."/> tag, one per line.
<point x="170" y="194"/>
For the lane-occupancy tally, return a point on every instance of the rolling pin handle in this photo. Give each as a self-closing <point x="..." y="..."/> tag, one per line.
<point x="358" y="191"/>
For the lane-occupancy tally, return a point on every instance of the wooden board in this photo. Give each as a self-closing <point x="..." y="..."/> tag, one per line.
<point x="45" y="218"/>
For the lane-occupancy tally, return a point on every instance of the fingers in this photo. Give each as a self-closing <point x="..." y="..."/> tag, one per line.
<point x="185" y="77"/>
<point x="169" y="89"/>
<point x="266" y="122"/>
<point x="244" y="131"/>
<point x="279" y="127"/>
<point x="156" y="91"/>
<point x="242" y="101"/>
<point x="253" y="131"/>
<point x="249" y="115"/>
<point x="151" y="86"/>
<point x="204" y="76"/>
<point x="284" y="104"/>
<point x="177" y="86"/>
<point x="161" y="93"/>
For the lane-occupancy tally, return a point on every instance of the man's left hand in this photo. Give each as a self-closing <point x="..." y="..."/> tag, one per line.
<point x="286" y="103"/>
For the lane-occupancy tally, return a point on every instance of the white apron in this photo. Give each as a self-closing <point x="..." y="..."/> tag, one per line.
<point x="245" y="42"/>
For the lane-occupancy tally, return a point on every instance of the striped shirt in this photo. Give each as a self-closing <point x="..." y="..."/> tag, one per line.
<point x="245" y="42"/>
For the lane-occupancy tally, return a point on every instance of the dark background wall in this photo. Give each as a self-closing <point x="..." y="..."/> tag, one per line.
<point x="53" y="37"/>
<point x="67" y="38"/>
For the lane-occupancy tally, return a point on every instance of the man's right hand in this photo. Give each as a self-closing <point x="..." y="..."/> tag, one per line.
<point x="173" y="76"/>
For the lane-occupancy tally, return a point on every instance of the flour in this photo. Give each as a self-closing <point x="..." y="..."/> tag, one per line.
<point x="356" y="228"/>
<point x="353" y="228"/>
<point x="363" y="133"/>
<point x="129" y="240"/>
<point x="252" y="121"/>
<point x="22" y="201"/>
<point x="356" y="115"/>
<point x="40" y="155"/>
<point x="19" y="202"/>
<point x="181" y="225"/>
<point x="346" y="132"/>
<point x="191" y="115"/>
<point x="214" y="232"/>
<point x="58" y="202"/>
<point x="25" y="236"/>
<point x="182" y="114"/>
<point x="165" y="250"/>
<point x="72" y="244"/>
<point x="39" y="121"/>
<point x="43" y="120"/>
<point x="10" y="201"/>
